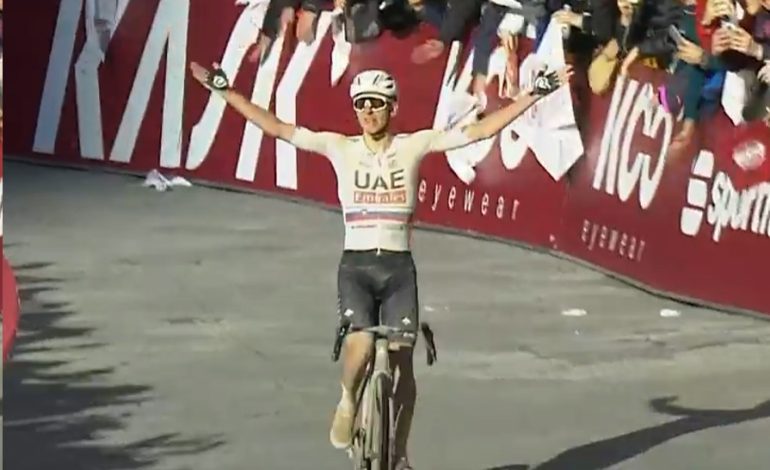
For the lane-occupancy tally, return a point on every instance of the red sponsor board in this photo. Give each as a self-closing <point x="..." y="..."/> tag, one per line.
<point x="673" y="222"/>
<point x="623" y="206"/>
<point x="10" y="305"/>
<point x="9" y="295"/>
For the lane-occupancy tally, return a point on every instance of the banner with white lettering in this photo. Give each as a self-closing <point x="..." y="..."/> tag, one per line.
<point x="673" y="222"/>
<point x="117" y="93"/>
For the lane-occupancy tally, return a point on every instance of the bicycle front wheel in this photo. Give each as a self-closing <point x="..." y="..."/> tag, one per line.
<point x="382" y="426"/>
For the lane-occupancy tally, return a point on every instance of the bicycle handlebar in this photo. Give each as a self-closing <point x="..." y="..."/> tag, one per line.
<point x="383" y="331"/>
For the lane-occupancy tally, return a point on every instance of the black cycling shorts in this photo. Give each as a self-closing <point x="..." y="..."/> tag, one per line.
<point x="379" y="289"/>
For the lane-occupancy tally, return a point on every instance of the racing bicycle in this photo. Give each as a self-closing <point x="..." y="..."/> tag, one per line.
<point x="374" y="426"/>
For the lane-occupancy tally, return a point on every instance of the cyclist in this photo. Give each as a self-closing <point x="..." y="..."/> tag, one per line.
<point x="377" y="175"/>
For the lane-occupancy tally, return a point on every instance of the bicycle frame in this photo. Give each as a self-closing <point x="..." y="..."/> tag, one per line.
<point x="375" y="404"/>
<point x="369" y="425"/>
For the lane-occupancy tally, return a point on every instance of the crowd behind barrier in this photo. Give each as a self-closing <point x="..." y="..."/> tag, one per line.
<point x="704" y="45"/>
<point x="652" y="166"/>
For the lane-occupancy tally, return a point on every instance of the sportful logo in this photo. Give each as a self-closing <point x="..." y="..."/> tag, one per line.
<point x="747" y="210"/>
<point x="616" y="170"/>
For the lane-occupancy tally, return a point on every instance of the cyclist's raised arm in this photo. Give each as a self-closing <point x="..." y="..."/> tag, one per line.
<point x="217" y="82"/>
<point x="258" y="115"/>
<point x="545" y="83"/>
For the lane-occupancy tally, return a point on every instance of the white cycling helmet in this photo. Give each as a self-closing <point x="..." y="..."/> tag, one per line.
<point x="374" y="83"/>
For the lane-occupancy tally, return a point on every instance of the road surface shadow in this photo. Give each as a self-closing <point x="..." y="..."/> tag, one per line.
<point x="54" y="419"/>
<point x="606" y="453"/>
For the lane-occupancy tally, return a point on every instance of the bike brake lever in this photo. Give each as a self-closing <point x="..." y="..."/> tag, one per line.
<point x="340" y="333"/>
<point x="430" y="345"/>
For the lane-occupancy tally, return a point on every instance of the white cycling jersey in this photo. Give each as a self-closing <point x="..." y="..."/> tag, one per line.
<point x="378" y="191"/>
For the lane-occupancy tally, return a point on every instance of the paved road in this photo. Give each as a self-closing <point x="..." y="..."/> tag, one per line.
<point x="191" y="330"/>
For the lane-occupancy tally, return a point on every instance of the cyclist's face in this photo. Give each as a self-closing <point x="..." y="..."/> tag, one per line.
<point x="373" y="114"/>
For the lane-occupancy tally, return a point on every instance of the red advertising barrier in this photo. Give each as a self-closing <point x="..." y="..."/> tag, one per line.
<point x="10" y="305"/>
<point x="9" y="295"/>
<point x="675" y="225"/>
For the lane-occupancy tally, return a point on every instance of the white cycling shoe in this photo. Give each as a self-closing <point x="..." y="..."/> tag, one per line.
<point x="341" y="433"/>
<point x="403" y="464"/>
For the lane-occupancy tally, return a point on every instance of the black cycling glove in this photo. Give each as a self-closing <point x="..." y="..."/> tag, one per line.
<point x="545" y="82"/>
<point x="217" y="80"/>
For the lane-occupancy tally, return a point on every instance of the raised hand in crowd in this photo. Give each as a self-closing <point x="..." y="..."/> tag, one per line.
<point x="568" y="18"/>
<point x="743" y="42"/>
<point x="626" y="8"/>
<point x="691" y="53"/>
<point x="720" y="41"/>
<point x="716" y="9"/>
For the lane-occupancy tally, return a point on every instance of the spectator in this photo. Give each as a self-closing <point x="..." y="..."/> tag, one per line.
<point x="625" y="23"/>
<point x="279" y="16"/>
<point x="455" y="16"/>
<point x="564" y="15"/>
<point x="747" y="50"/>
<point x="399" y="16"/>
<point x="307" y="20"/>
<point x="678" y="36"/>
<point x="362" y="22"/>
<point x="576" y="16"/>
<point x="502" y="20"/>
<point x="757" y="43"/>
<point x="617" y="26"/>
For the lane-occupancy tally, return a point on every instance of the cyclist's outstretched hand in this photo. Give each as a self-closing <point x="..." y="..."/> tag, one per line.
<point x="214" y="80"/>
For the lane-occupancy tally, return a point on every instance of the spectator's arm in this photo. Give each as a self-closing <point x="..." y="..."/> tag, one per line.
<point x="696" y="55"/>
<point x="571" y="18"/>
<point x="459" y="14"/>
<point x="484" y="42"/>
<point x="601" y="22"/>
<point x="272" y="21"/>
<point x="716" y="9"/>
<point x="741" y="41"/>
